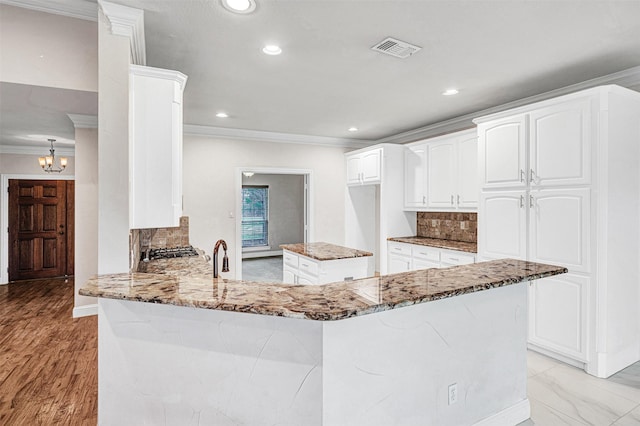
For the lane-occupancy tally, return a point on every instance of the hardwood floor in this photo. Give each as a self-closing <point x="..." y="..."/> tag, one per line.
<point x="48" y="360"/>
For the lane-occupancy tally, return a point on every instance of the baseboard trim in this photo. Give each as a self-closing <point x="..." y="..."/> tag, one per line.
<point x="609" y="363"/>
<point x="510" y="416"/>
<point x="266" y="253"/>
<point x="85" y="310"/>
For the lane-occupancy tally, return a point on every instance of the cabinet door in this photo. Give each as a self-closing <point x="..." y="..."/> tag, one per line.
<point x="560" y="144"/>
<point x="558" y="314"/>
<point x="502" y="225"/>
<point x="353" y="169"/>
<point x="502" y="153"/>
<point x="370" y="166"/>
<point x="398" y="264"/>
<point x="414" y="176"/>
<point x="468" y="187"/>
<point x="288" y="276"/>
<point x="424" y="264"/>
<point x="441" y="163"/>
<point x="560" y="227"/>
<point x="302" y="279"/>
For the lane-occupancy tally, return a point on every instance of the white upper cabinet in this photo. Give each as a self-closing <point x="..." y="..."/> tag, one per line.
<point x="560" y="144"/>
<point x="503" y="153"/>
<point x="415" y="158"/>
<point x="364" y="167"/>
<point x="155" y="147"/>
<point x="441" y="173"/>
<point x="468" y="185"/>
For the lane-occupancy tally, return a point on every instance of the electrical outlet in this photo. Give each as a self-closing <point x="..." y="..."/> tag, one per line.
<point x="453" y="393"/>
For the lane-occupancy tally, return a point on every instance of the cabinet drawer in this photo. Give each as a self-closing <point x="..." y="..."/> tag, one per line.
<point x="399" y="248"/>
<point x="456" y="258"/>
<point x="308" y="266"/>
<point x="426" y="253"/>
<point x="290" y="259"/>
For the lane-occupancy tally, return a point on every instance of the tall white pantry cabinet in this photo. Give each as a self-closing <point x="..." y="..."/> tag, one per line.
<point x="560" y="184"/>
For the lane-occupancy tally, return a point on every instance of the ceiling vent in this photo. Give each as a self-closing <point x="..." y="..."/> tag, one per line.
<point x="395" y="47"/>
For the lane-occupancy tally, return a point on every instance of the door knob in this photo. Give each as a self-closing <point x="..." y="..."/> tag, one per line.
<point x="61" y="232"/>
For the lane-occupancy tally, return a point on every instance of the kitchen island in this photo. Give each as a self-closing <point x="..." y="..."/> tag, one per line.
<point x="430" y="347"/>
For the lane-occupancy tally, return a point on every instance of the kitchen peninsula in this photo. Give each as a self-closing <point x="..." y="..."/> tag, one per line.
<point x="433" y="347"/>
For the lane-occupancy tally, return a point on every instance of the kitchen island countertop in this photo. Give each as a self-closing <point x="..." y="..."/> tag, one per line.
<point x="325" y="251"/>
<point x="438" y="243"/>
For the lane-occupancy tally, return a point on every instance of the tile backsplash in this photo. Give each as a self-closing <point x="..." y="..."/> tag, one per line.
<point x="141" y="240"/>
<point x="448" y="226"/>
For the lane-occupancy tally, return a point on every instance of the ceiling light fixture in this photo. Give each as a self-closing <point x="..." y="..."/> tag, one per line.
<point x="222" y="115"/>
<point x="272" y="49"/>
<point x="48" y="161"/>
<point x="247" y="174"/>
<point x="450" y="92"/>
<point x="239" y="6"/>
<point x="353" y="129"/>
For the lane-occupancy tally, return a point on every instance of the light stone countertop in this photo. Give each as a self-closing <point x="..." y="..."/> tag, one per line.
<point x="326" y="302"/>
<point x="438" y="243"/>
<point x="324" y="251"/>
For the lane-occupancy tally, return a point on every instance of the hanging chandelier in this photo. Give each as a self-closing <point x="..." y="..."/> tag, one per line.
<point x="47" y="162"/>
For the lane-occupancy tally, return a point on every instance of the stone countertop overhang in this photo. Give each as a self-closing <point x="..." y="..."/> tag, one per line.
<point x="438" y="243"/>
<point x="326" y="302"/>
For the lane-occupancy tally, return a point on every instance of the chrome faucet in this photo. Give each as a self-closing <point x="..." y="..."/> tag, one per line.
<point x="225" y="259"/>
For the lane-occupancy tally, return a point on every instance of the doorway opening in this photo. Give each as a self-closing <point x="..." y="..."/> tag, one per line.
<point x="273" y="208"/>
<point x="40" y="228"/>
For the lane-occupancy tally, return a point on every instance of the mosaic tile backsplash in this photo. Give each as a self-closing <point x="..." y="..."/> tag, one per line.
<point x="448" y="226"/>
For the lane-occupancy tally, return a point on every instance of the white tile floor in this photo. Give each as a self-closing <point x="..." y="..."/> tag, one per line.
<point x="559" y="394"/>
<point x="565" y="395"/>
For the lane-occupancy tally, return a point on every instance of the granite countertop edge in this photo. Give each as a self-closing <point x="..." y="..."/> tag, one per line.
<point x="328" y="302"/>
<point x="438" y="243"/>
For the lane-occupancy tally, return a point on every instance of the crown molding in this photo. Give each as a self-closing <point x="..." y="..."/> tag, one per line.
<point x="80" y="9"/>
<point x="36" y="150"/>
<point x="264" y="136"/>
<point x="128" y="22"/>
<point x="172" y="75"/>
<point x="629" y="78"/>
<point x="83" y="121"/>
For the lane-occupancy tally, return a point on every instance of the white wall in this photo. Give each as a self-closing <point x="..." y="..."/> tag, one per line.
<point x="28" y="164"/>
<point x="86" y="214"/>
<point x="43" y="49"/>
<point x="286" y="207"/>
<point x="209" y="185"/>
<point x="113" y="151"/>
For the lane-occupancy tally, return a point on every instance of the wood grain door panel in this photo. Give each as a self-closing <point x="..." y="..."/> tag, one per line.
<point x="38" y="223"/>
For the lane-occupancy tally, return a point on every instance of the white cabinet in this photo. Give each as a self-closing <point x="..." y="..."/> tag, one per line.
<point x="546" y="197"/>
<point x="155" y="147"/>
<point x="364" y="167"/>
<point x="299" y="269"/>
<point x="441" y="173"/>
<point x="415" y="178"/>
<point x="404" y="257"/>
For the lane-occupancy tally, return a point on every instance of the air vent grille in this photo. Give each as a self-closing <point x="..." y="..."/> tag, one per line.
<point x="395" y="47"/>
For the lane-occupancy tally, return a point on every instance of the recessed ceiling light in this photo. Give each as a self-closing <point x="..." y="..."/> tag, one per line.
<point x="450" y="92"/>
<point x="353" y="129"/>
<point x="239" y="6"/>
<point x="272" y="49"/>
<point x="222" y="115"/>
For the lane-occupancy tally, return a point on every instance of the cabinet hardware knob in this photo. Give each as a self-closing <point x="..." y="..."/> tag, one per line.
<point x="533" y="176"/>
<point x="451" y="199"/>
<point x="521" y="201"/>
<point x="458" y="199"/>
<point x="424" y="199"/>
<point x="521" y="175"/>
<point x="531" y="202"/>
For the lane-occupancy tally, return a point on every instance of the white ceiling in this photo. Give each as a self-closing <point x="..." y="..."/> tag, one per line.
<point x="327" y="78"/>
<point x="29" y="115"/>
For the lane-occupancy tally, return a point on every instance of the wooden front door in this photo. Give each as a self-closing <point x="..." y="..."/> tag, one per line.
<point x="40" y="229"/>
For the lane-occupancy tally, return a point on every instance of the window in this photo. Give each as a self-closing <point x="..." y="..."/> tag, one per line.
<point x="255" y="216"/>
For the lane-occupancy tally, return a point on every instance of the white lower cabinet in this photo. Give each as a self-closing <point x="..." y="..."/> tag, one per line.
<point x="558" y="314"/>
<point x="298" y="269"/>
<point x="404" y="257"/>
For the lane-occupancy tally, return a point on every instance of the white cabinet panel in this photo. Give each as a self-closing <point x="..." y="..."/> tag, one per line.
<point x="398" y="263"/>
<point x="558" y="314"/>
<point x="424" y="264"/>
<point x="288" y="276"/>
<point x="502" y="225"/>
<point x="452" y="258"/>
<point x="468" y="188"/>
<point x="415" y="177"/>
<point x="364" y="167"/>
<point x="441" y="178"/>
<point x="560" y="226"/>
<point x="560" y="144"/>
<point x="503" y="153"/>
